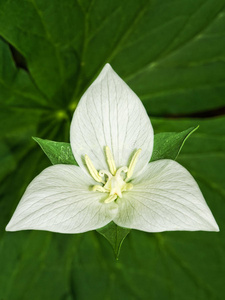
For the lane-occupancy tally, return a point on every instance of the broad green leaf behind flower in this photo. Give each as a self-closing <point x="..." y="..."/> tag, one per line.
<point x="57" y="152"/>
<point x="191" y="80"/>
<point x="167" y="145"/>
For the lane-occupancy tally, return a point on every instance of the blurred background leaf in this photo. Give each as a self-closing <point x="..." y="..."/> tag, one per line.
<point x="172" y="54"/>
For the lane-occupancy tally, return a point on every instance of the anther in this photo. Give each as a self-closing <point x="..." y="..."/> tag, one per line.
<point x="110" y="199"/>
<point x="99" y="188"/>
<point x="132" y="164"/>
<point x="110" y="160"/>
<point x="92" y="170"/>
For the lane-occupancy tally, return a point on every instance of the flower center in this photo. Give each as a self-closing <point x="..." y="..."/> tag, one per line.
<point x="114" y="182"/>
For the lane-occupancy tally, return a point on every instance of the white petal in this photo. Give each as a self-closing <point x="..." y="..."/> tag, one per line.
<point x="110" y="114"/>
<point x="59" y="200"/>
<point x="165" y="197"/>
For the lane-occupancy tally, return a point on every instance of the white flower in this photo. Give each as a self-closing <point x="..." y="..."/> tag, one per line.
<point x="112" y="141"/>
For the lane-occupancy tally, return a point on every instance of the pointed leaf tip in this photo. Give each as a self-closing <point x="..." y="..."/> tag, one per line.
<point x="168" y="145"/>
<point x="57" y="152"/>
<point x="115" y="236"/>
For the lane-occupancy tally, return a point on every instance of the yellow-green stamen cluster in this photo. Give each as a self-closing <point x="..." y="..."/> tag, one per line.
<point x="116" y="183"/>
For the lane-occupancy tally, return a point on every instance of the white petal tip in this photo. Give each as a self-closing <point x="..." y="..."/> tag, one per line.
<point x="107" y="66"/>
<point x="9" y="228"/>
<point x="13" y="226"/>
<point x="215" y="228"/>
<point x="106" y="69"/>
<point x="212" y="225"/>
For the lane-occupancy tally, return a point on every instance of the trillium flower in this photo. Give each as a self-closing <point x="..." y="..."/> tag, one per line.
<point x="112" y="142"/>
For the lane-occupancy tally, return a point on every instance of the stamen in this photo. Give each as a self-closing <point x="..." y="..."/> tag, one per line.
<point x="110" y="160"/>
<point x="99" y="188"/>
<point x="110" y="199"/>
<point x="132" y="164"/>
<point x="92" y="170"/>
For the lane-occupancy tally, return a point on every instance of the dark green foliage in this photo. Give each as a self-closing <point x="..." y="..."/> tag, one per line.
<point x="172" y="55"/>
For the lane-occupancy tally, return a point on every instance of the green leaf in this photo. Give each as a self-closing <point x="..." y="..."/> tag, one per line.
<point x="49" y="42"/>
<point x="115" y="235"/>
<point x="171" y="53"/>
<point x="21" y="104"/>
<point x="167" y="145"/>
<point x="57" y="152"/>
